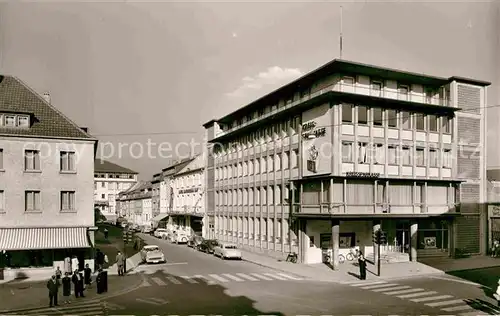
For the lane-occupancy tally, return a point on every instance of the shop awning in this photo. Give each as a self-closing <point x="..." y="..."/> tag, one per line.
<point x="43" y="238"/>
<point x="159" y="217"/>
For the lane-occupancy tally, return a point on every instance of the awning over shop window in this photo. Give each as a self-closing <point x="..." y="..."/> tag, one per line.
<point x="43" y="238"/>
<point x="159" y="217"/>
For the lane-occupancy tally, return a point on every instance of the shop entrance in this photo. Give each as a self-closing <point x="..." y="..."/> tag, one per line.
<point x="402" y="236"/>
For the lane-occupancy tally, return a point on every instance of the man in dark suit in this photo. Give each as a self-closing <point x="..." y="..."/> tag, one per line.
<point x="77" y="279"/>
<point x="53" y="286"/>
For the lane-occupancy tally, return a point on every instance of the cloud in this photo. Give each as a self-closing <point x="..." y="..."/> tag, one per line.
<point x="271" y="77"/>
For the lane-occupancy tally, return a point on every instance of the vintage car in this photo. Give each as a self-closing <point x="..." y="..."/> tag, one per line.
<point x="161" y="233"/>
<point x="194" y="241"/>
<point x="178" y="237"/>
<point x="227" y="251"/>
<point x="208" y="245"/>
<point x="152" y="254"/>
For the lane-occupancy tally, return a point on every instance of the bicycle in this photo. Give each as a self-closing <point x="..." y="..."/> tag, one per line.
<point x="327" y="257"/>
<point x="292" y="257"/>
<point x="353" y="254"/>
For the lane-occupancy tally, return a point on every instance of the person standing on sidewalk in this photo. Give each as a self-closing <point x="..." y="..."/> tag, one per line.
<point x="58" y="273"/>
<point x="120" y="260"/>
<point x="87" y="275"/>
<point x="362" y="266"/>
<point x="77" y="279"/>
<point x="53" y="287"/>
<point x="66" y="285"/>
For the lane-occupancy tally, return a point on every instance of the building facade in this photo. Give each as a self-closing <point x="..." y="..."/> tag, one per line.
<point x="137" y="204"/>
<point x="188" y="189"/>
<point x="155" y="197"/>
<point x="321" y="163"/>
<point x="109" y="180"/>
<point x="46" y="183"/>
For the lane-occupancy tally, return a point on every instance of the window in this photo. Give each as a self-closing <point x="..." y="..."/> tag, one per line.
<point x="10" y="120"/>
<point x="433" y="157"/>
<point x="377" y="116"/>
<point x="433" y="124"/>
<point x="67" y="161"/>
<point x="103" y="196"/>
<point x="392" y="118"/>
<point x="379" y="154"/>
<point x="362" y="154"/>
<point x="31" y="160"/>
<point x="405" y="156"/>
<point x="447" y="163"/>
<point x="446" y="124"/>
<point x="295" y="158"/>
<point x="420" y="122"/>
<point x="362" y="115"/>
<point x="1" y="159"/>
<point x="2" y="201"/>
<point x="406" y="120"/>
<point x="311" y="193"/>
<point x="32" y="201"/>
<point x="103" y="184"/>
<point x="347" y="113"/>
<point x="263" y="165"/>
<point x="429" y="95"/>
<point x="23" y="121"/>
<point x="419" y="157"/>
<point x="376" y="88"/>
<point x="347" y="152"/>
<point x="392" y="155"/>
<point x="68" y="200"/>
<point x="348" y="80"/>
<point x="403" y="92"/>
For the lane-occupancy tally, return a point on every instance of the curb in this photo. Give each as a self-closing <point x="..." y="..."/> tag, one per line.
<point x="93" y="300"/>
<point x="472" y="269"/>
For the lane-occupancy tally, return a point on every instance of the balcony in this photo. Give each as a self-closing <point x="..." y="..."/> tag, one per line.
<point x="361" y="90"/>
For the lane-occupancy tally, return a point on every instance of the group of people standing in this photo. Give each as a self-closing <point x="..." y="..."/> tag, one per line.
<point x="79" y="280"/>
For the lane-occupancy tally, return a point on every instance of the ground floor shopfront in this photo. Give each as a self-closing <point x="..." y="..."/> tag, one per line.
<point x="27" y="251"/>
<point x="191" y="224"/>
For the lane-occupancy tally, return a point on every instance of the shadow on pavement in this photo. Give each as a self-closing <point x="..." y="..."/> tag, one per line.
<point x="185" y="297"/>
<point x="483" y="306"/>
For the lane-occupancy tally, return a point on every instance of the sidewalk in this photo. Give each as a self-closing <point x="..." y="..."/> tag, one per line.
<point x="348" y="272"/>
<point x="23" y="295"/>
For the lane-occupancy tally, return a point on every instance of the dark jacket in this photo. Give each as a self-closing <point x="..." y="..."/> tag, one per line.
<point x="75" y="280"/>
<point x="53" y="286"/>
<point x="66" y="285"/>
<point x="87" y="275"/>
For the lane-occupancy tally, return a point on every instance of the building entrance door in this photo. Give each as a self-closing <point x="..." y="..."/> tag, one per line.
<point x="402" y="236"/>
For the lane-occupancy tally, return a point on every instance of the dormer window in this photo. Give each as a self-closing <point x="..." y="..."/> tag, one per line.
<point x="14" y="120"/>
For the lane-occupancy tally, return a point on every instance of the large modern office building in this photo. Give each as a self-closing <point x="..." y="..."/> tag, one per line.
<point x="349" y="148"/>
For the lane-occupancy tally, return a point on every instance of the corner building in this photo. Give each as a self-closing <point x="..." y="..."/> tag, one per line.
<point x="319" y="164"/>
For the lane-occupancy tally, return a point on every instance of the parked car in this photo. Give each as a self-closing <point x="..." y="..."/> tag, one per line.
<point x="178" y="237"/>
<point x="161" y="233"/>
<point x="208" y="245"/>
<point x="195" y="241"/>
<point x="152" y="254"/>
<point x="147" y="229"/>
<point x="227" y="251"/>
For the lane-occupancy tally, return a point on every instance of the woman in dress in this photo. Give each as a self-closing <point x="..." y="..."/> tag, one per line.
<point x="66" y="285"/>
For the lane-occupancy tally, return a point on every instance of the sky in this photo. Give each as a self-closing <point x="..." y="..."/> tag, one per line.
<point x="153" y="72"/>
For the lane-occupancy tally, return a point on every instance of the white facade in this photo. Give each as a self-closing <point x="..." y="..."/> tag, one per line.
<point x="107" y="185"/>
<point x="147" y="212"/>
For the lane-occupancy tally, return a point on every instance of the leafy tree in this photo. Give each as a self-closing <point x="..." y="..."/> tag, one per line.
<point x="98" y="217"/>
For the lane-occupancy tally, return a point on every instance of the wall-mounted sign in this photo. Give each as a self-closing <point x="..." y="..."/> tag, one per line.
<point x="309" y="131"/>
<point x="191" y="190"/>
<point x="317" y="146"/>
<point x="363" y="174"/>
<point x="312" y="159"/>
<point x="430" y="242"/>
<point x="494" y="210"/>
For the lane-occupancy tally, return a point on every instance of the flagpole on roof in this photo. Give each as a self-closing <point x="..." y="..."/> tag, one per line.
<point x="341" y="29"/>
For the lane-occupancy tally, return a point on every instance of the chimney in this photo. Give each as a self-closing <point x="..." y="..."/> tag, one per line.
<point x="46" y="96"/>
<point x="85" y="129"/>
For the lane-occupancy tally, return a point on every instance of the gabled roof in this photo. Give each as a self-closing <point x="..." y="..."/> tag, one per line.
<point x="101" y="165"/>
<point x="194" y="164"/>
<point x="46" y="120"/>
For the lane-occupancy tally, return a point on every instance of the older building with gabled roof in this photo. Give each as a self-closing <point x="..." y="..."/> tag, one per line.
<point x="46" y="182"/>
<point x="109" y="180"/>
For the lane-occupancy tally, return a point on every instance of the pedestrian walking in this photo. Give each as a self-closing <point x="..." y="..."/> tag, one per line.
<point x="99" y="259"/>
<point x="66" y="286"/>
<point x="77" y="279"/>
<point x="87" y="275"/>
<point x="100" y="282"/>
<point x="58" y="273"/>
<point x="120" y="261"/>
<point x="53" y="287"/>
<point x="362" y="266"/>
<point x="106" y="233"/>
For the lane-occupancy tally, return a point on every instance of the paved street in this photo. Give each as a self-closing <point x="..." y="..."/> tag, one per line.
<point x="196" y="283"/>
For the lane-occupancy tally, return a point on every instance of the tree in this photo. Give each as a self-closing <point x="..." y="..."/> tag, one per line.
<point x="98" y="217"/>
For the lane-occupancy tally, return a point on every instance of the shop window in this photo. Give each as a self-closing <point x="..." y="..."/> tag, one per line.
<point x="433" y="235"/>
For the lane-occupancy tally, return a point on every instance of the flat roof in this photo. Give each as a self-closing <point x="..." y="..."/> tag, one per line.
<point x="346" y="66"/>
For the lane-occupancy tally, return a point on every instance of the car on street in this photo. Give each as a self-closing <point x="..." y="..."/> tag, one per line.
<point x="208" y="245"/>
<point x="161" y="233"/>
<point x="147" y="229"/>
<point x="178" y="236"/>
<point x="152" y="254"/>
<point x="227" y="251"/>
<point x="195" y="241"/>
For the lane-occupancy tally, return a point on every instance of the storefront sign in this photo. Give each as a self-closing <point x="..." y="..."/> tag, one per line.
<point x="311" y="159"/>
<point x="495" y="210"/>
<point x="308" y="130"/>
<point x="363" y="174"/>
<point x="191" y="190"/>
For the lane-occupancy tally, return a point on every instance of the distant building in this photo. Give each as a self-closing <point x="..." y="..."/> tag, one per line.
<point x="321" y="163"/>
<point x="137" y="204"/>
<point x="46" y="178"/>
<point x="109" y="180"/>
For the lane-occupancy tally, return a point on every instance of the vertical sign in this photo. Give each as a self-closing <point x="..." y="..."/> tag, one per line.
<point x="317" y="148"/>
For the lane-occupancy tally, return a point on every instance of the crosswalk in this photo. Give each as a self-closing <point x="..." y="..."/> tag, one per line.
<point x="447" y="303"/>
<point x="84" y="308"/>
<point x="211" y="279"/>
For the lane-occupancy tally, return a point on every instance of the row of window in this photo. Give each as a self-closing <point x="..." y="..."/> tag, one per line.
<point x="363" y="115"/>
<point x="113" y="185"/>
<point x="395" y="155"/>
<point x="33" y="201"/>
<point x="32" y="160"/>
<point x="14" y="120"/>
<point x="266" y="195"/>
<point x="114" y="176"/>
<point x="270" y="163"/>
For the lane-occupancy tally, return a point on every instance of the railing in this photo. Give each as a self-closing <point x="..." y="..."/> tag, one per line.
<point x="355" y="89"/>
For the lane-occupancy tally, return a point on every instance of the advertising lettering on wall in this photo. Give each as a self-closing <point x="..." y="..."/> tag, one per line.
<point x="316" y="140"/>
